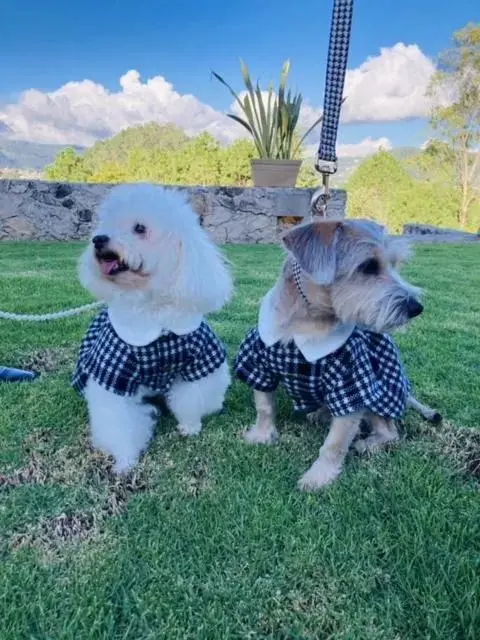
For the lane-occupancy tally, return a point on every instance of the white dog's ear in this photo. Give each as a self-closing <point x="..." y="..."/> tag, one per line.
<point x="314" y="247"/>
<point x="204" y="282"/>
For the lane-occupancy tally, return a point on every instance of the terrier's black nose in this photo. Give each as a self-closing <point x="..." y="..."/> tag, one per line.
<point x="414" y="308"/>
<point x="100" y="241"/>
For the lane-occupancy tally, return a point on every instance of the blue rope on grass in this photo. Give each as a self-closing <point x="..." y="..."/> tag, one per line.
<point x="8" y="374"/>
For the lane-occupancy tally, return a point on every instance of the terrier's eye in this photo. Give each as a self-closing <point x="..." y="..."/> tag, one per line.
<point x="140" y="229"/>
<point x="370" y="267"/>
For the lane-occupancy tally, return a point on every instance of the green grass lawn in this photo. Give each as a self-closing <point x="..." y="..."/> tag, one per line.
<point x="211" y="539"/>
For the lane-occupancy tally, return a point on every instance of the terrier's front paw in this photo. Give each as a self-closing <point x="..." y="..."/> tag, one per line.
<point x="361" y="445"/>
<point x="261" y="436"/>
<point x="372" y="444"/>
<point x="189" y="429"/>
<point x="319" y="475"/>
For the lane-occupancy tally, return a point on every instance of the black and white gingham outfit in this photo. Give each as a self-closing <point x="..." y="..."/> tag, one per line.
<point x="365" y="372"/>
<point x="122" y="368"/>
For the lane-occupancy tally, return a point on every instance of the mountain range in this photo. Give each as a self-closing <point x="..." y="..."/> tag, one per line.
<point x="19" y="154"/>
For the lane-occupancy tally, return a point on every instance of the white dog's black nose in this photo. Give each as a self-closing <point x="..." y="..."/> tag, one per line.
<point x="414" y="308"/>
<point x="100" y="241"/>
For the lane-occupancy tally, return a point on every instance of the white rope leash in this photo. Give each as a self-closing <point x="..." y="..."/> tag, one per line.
<point x="6" y="315"/>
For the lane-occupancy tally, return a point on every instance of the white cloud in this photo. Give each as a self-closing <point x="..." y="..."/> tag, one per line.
<point x="83" y="112"/>
<point x="387" y="87"/>
<point x="366" y="147"/>
<point x="390" y="86"/>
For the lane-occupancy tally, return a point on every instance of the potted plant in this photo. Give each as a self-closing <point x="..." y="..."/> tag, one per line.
<point x="272" y="121"/>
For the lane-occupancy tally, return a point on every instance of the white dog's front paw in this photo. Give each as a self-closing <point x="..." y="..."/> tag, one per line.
<point x="261" y="436"/>
<point x="189" y="429"/>
<point x="123" y="466"/>
<point x="320" y="474"/>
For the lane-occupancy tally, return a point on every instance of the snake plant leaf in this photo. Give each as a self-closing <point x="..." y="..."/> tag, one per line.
<point x="248" y="110"/>
<point x="234" y="94"/>
<point x="251" y="92"/>
<point x="271" y="118"/>
<point x="241" y="121"/>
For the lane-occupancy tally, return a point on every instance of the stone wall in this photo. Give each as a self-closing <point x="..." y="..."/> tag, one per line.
<point x="428" y="233"/>
<point x="36" y="210"/>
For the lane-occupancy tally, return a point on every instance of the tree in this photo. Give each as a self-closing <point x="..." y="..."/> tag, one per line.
<point x="69" y="166"/>
<point x="235" y="167"/>
<point x="394" y="193"/>
<point x="308" y="176"/>
<point x="110" y="173"/>
<point x="458" y="122"/>
<point x="151" y="136"/>
<point x="200" y="161"/>
<point x="380" y="189"/>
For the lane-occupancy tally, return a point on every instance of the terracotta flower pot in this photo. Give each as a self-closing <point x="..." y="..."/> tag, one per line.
<point x="275" y="173"/>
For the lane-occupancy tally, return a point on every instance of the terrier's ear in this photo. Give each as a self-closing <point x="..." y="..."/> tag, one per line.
<point x="399" y="250"/>
<point x="314" y="247"/>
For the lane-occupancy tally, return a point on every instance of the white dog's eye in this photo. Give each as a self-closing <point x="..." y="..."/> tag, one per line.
<point x="139" y="228"/>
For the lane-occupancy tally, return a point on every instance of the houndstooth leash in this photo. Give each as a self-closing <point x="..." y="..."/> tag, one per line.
<point x="338" y="47"/>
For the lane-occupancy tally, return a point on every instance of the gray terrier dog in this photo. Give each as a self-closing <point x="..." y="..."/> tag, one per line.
<point x="323" y="333"/>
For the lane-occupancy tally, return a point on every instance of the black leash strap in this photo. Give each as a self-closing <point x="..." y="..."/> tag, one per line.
<point x="326" y="162"/>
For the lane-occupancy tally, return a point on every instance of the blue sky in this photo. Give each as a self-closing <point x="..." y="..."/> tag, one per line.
<point x="44" y="45"/>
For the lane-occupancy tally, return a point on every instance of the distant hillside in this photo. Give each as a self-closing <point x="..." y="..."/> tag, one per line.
<point x="348" y="164"/>
<point x="19" y="154"/>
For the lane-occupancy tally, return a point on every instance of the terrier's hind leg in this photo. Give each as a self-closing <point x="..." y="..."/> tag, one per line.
<point x="384" y="431"/>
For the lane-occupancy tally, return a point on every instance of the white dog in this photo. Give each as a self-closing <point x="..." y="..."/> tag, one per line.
<point x="159" y="273"/>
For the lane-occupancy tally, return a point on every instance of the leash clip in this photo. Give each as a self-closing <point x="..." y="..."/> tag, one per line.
<point x="320" y="198"/>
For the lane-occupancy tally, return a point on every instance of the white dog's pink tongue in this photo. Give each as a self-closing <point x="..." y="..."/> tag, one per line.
<point x="109" y="267"/>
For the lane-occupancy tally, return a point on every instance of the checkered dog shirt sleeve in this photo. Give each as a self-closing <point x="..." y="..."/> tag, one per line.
<point x="122" y="368"/>
<point x="254" y="367"/>
<point x="365" y="373"/>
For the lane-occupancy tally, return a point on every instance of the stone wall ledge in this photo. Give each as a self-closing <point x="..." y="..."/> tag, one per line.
<point x="40" y="210"/>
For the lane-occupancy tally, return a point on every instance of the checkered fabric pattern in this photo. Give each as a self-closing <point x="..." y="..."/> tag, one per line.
<point x="123" y="368"/>
<point x="365" y="373"/>
<point x="334" y="83"/>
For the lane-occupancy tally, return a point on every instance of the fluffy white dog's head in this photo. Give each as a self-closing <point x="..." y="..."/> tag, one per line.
<point x="149" y="248"/>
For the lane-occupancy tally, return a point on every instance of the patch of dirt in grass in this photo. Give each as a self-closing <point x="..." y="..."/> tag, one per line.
<point x="33" y="473"/>
<point x="197" y="481"/>
<point x="460" y="445"/>
<point x="72" y="466"/>
<point x="47" y="360"/>
<point x="51" y="534"/>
